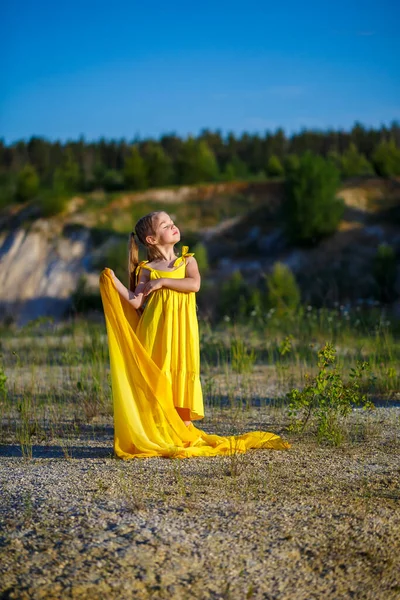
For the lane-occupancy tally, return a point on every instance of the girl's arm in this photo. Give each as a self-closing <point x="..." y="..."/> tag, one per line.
<point x="135" y="298"/>
<point x="190" y="283"/>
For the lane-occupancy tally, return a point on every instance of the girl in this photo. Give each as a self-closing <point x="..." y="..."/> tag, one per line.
<point x="153" y="343"/>
<point x="168" y="329"/>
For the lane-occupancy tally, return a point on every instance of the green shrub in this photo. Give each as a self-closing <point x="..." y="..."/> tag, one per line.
<point x="354" y="163"/>
<point x="274" y="167"/>
<point x="52" y="202"/>
<point x="27" y="184"/>
<point x="386" y="159"/>
<point x="291" y="163"/>
<point x="113" y="180"/>
<point x="242" y="358"/>
<point x="283" y="292"/>
<point x="311" y="210"/>
<point x="326" y="399"/>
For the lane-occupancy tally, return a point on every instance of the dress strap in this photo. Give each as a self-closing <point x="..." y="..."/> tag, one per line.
<point x="184" y="255"/>
<point x="142" y="264"/>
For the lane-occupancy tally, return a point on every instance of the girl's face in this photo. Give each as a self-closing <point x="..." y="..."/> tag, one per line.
<point x="166" y="231"/>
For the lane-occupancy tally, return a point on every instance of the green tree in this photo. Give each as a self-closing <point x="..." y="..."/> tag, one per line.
<point x="27" y="184"/>
<point x="235" y="169"/>
<point x="311" y="209"/>
<point x="283" y="292"/>
<point x="354" y="163"/>
<point x="274" y="167"/>
<point x="386" y="159"/>
<point x="160" y="171"/>
<point x="291" y="163"/>
<point x="113" y="180"/>
<point x="196" y="163"/>
<point x="135" y="175"/>
<point x="68" y="176"/>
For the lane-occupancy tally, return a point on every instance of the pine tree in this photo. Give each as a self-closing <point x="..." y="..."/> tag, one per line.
<point x="196" y="163"/>
<point x="235" y="169"/>
<point x="135" y="176"/>
<point x="354" y="163"/>
<point x="159" y="166"/>
<point x="68" y="176"/>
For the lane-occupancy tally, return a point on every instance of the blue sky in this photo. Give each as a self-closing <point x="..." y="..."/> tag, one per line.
<point x="120" y="69"/>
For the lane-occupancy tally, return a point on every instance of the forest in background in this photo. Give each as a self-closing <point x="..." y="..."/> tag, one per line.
<point x="56" y="168"/>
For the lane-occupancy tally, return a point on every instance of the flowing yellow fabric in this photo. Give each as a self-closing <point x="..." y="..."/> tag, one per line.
<point x="154" y="364"/>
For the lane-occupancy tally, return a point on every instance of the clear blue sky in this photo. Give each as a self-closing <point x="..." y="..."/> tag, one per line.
<point x="122" y="68"/>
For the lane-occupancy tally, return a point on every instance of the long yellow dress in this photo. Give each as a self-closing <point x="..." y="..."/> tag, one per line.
<point x="169" y="331"/>
<point x="154" y="365"/>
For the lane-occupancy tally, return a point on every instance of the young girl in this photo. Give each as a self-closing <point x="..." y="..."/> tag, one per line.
<point x="153" y="343"/>
<point x="165" y="285"/>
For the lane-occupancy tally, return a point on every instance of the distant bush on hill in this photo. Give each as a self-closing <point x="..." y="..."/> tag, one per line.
<point x="311" y="210"/>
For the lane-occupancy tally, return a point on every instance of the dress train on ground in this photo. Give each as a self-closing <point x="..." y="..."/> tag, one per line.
<point x="146" y="423"/>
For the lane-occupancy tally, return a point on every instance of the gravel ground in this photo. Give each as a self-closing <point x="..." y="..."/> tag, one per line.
<point x="309" y="523"/>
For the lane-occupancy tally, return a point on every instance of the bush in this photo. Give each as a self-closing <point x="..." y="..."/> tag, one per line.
<point x="384" y="272"/>
<point x="326" y="399"/>
<point x="242" y="358"/>
<point x="283" y="292"/>
<point x="291" y="163"/>
<point x="386" y="159"/>
<point x="27" y="183"/>
<point x="311" y="210"/>
<point x="113" y="181"/>
<point x="235" y="169"/>
<point x="274" y="167"/>
<point x="354" y="163"/>
<point x="52" y="202"/>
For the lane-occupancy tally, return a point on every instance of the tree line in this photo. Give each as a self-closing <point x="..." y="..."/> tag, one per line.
<point x="80" y="166"/>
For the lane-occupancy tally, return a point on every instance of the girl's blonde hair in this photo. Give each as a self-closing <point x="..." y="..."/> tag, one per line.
<point x="144" y="227"/>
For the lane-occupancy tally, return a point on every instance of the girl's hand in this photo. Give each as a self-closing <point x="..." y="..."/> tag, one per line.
<point x="152" y="286"/>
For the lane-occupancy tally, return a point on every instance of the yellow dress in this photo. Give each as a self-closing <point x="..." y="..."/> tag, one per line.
<point x="168" y="329"/>
<point x="154" y="366"/>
